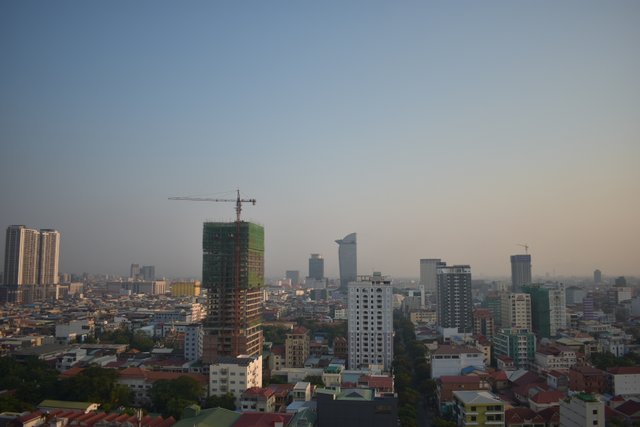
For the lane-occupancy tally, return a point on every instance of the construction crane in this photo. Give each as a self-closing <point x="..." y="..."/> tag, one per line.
<point x="238" y="201"/>
<point x="526" y="248"/>
<point x="237" y="260"/>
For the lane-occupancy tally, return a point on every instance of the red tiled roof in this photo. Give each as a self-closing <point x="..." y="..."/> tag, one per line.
<point x="630" y="408"/>
<point x="550" y="414"/>
<point x="258" y="391"/>
<point x="624" y="370"/>
<point x="259" y="419"/>
<point x="521" y="414"/>
<point x="457" y="379"/>
<point x="378" y="381"/>
<point x="499" y="375"/>
<point x="548" y="396"/>
<point x="153" y="376"/>
<point x="71" y="372"/>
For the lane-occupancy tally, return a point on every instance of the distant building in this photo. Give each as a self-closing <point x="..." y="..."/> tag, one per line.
<point x="428" y="277"/>
<point x="493" y="303"/>
<point x="483" y="323"/>
<point x="370" y="323"/>
<point x="625" y="380"/>
<point x="620" y="281"/>
<point x="597" y="276"/>
<point x="293" y="276"/>
<point x="297" y="347"/>
<point x="356" y="407"/>
<point x="548" y="309"/>
<point x="517" y="344"/>
<point x="580" y="410"/>
<point x="134" y="271"/>
<point x="348" y="260"/>
<point x="148" y="272"/>
<point x="520" y="271"/>
<point x="451" y="360"/>
<point x="516" y="310"/>
<point x="186" y="289"/>
<point x="31" y="256"/>
<point x="316" y="267"/>
<point x="193" y="342"/>
<point x="48" y="257"/>
<point x="588" y="312"/>
<point x="455" y="307"/>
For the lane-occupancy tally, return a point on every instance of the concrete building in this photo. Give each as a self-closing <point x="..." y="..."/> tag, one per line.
<point x="297" y="347"/>
<point x="624" y="380"/>
<point x="148" y="273"/>
<point x="48" y="257"/>
<point x="186" y="289"/>
<point x="233" y="275"/>
<point x="455" y="306"/>
<point x="548" y="308"/>
<point x="587" y="379"/>
<point x="235" y="375"/>
<point x="597" y="276"/>
<point x="257" y="399"/>
<point x="516" y="310"/>
<point x="520" y="271"/>
<point x="483" y="324"/>
<point x="451" y="360"/>
<point x="517" y="344"/>
<point x="293" y="276"/>
<point x="428" y="277"/>
<point x="356" y="407"/>
<point x="31" y="256"/>
<point x="580" y="410"/>
<point x="193" y="342"/>
<point x="370" y="323"/>
<point x="478" y="408"/>
<point x="316" y="267"/>
<point x="348" y="260"/>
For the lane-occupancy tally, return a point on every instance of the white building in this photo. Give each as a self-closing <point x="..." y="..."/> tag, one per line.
<point x="193" y="342"/>
<point x="557" y="308"/>
<point x="582" y="410"/>
<point x="74" y="330"/>
<point x="370" y="323"/>
<point x="235" y="375"/>
<point x="625" y="380"/>
<point x="516" y="310"/>
<point x="451" y="360"/>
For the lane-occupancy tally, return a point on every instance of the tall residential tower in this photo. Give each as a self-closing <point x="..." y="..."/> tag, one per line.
<point x="348" y="260"/>
<point x="428" y="277"/>
<point x="31" y="257"/>
<point x="520" y="271"/>
<point x="455" y="307"/>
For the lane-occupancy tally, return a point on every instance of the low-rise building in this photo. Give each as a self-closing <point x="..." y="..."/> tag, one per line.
<point x="624" y="380"/>
<point x="580" y="410"/>
<point x="356" y="407"/>
<point x="587" y="379"/>
<point x="234" y="375"/>
<point x="478" y="408"/>
<point x="258" y="399"/>
<point x="451" y="360"/>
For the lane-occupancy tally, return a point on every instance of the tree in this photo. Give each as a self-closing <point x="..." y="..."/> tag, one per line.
<point x="141" y="341"/>
<point x="227" y="401"/>
<point x="170" y="397"/>
<point x="95" y="384"/>
<point x="33" y="380"/>
<point x="315" y="380"/>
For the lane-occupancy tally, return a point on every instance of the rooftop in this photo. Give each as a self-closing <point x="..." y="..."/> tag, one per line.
<point x="477" y="397"/>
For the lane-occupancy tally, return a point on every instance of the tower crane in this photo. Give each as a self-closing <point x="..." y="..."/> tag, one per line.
<point x="526" y="248"/>
<point x="237" y="260"/>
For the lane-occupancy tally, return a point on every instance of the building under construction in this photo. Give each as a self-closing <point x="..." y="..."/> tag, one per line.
<point x="233" y="275"/>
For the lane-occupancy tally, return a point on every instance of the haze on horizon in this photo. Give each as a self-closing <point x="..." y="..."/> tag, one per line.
<point x="449" y="130"/>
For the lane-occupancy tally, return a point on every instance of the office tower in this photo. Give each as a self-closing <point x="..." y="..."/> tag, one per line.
<point x="428" y="277"/>
<point x="135" y="271"/>
<point x="370" y="322"/>
<point x="520" y="271"/>
<point x="233" y="275"/>
<point x="348" y="260"/>
<point x="587" y="307"/>
<point x="493" y="303"/>
<point x="597" y="276"/>
<point x="21" y="257"/>
<point x="316" y="267"/>
<point x="516" y="310"/>
<point x="455" y="307"/>
<point x="293" y="276"/>
<point x="620" y="281"/>
<point x="49" y="257"/>
<point x="148" y="272"/>
<point x="548" y="309"/>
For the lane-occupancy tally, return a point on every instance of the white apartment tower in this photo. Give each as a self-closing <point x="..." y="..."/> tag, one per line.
<point x="516" y="310"/>
<point x="22" y="246"/>
<point x="49" y="257"/>
<point x="370" y="322"/>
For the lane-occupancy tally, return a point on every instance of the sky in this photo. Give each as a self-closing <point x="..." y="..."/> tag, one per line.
<point x="452" y="130"/>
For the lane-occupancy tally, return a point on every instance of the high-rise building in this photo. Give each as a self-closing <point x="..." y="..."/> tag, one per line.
<point x="370" y="322"/>
<point x="297" y="347"/>
<point x="48" y="257"/>
<point x="233" y="275"/>
<point x="428" y="277"/>
<point x="493" y="302"/>
<point x="21" y="256"/>
<point x="148" y="272"/>
<point x="520" y="271"/>
<point x="348" y="260"/>
<point x="316" y="267"/>
<point x="293" y="276"/>
<point x="548" y="308"/>
<point x="135" y="271"/>
<point x="455" y="307"/>
<point x="588" y="312"/>
<point x="516" y="310"/>
<point x="597" y="276"/>
<point x="518" y="344"/>
<point x="483" y="324"/>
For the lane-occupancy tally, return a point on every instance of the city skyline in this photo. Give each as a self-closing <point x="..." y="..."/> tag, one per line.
<point x="451" y="131"/>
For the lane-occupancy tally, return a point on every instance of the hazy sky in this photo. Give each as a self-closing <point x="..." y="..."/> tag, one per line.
<point x="432" y="129"/>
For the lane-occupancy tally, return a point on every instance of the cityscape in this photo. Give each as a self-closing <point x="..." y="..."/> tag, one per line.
<point x="433" y="220"/>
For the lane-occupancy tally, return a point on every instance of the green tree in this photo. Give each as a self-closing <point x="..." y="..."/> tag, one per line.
<point x="32" y="379"/>
<point x="315" y="380"/>
<point x="227" y="401"/>
<point x="170" y="397"/>
<point x="141" y="341"/>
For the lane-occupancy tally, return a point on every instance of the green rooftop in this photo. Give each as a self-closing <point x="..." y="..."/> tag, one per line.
<point x="63" y="404"/>
<point x="586" y="397"/>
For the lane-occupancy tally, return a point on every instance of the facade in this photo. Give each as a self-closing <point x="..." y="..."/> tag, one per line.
<point x="493" y="303"/>
<point x="624" y="380"/>
<point x="348" y="260"/>
<point x="517" y="344"/>
<point x="516" y="310"/>
<point x="22" y="255"/>
<point x="297" y="348"/>
<point x="582" y="410"/>
<point x="316" y="267"/>
<point x="555" y="358"/>
<point x="483" y="323"/>
<point x="587" y="379"/>
<point x="48" y="257"/>
<point x="478" y="408"/>
<point x="450" y="360"/>
<point x="193" y="342"/>
<point x="233" y="275"/>
<point x="520" y="271"/>
<point x="370" y="323"/>
<point x="455" y="306"/>
<point x="548" y="309"/>
<point x="186" y="289"/>
<point x="235" y="375"/>
<point x="293" y="276"/>
<point x="356" y="407"/>
<point x="428" y="277"/>
<point x="257" y="399"/>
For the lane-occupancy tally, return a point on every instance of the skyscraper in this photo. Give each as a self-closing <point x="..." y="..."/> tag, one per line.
<point x="316" y="267"/>
<point x="233" y="274"/>
<point x="293" y="276"/>
<point x="370" y="322"/>
<point x="148" y="273"/>
<point x="348" y="260"/>
<point x="455" y="307"/>
<point x="548" y="308"/>
<point x="597" y="276"/>
<point x="520" y="271"/>
<point x="21" y="256"/>
<point x="135" y="271"/>
<point x="48" y="257"/>
<point x="428" y="277"/>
